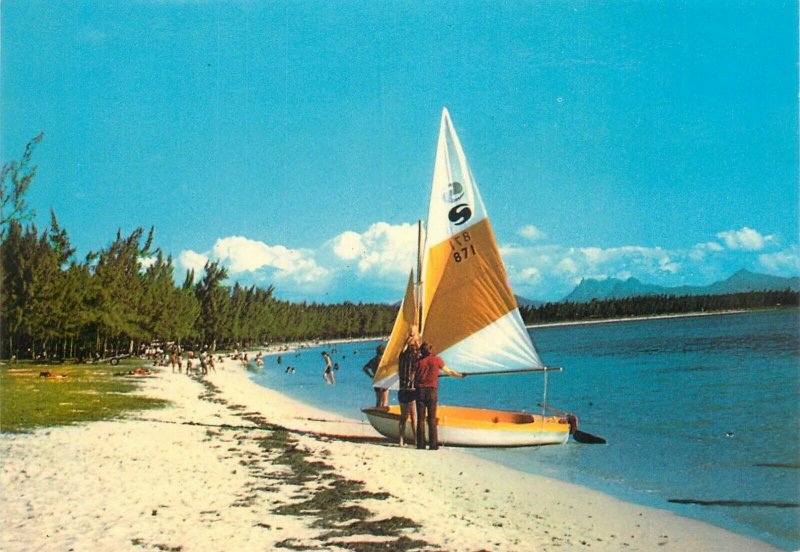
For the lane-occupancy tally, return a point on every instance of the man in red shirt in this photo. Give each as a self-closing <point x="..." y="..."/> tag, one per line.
<point x="427" y="379"/>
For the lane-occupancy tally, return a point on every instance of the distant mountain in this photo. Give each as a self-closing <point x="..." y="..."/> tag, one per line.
<point x="742" y="281"/>
<point x="524" y="302"/>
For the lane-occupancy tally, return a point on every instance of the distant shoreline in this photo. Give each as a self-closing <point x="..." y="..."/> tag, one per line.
<point x="278" y="348"/>
<point x="636" y="318"/>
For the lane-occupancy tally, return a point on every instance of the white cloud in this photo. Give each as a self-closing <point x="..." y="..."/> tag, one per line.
<point x="530" y="232"/>
<point x="256" y="260"/>
<point x="348" y="246"/>
<point x="531" y="275"/>
<point x="191" y="260"/>
<point x="567" y="266"/>
<point x="241" y="254"/>
<point x="383" y="250"/>
<point x="746" y="239"/>
<point x="701" y="250"/>
<point x="666" y="264"/>
<point x="650" y="260"/>
<point x="782" y="262"/>
<point x="593" y="255"/>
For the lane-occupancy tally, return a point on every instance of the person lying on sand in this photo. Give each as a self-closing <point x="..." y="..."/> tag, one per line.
<point x="136" y="372"/>
<point x="51" y="375"/>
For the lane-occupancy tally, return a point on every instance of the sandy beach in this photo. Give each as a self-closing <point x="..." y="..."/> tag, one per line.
<point x="234" y="466"/>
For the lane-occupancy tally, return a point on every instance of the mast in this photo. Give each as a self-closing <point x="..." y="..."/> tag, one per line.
<point x="419" y="276"/>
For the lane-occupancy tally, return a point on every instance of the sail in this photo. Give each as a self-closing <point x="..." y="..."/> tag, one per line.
<point x="386" y="374"/>
<point x="469" y="311"/>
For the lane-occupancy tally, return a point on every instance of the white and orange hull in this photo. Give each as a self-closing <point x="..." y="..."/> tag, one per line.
<point x="462" y="426"/>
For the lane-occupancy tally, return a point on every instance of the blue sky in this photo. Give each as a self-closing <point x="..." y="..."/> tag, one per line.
<point x="294" y="141"/>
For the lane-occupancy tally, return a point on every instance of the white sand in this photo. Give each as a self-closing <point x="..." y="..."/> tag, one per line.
<point x="173" y="479"/>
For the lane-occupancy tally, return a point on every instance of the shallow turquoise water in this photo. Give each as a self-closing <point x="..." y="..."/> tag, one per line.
<point x="693" y="408"/>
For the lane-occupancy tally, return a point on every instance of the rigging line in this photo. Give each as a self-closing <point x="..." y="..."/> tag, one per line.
<point x="503" y="372"/>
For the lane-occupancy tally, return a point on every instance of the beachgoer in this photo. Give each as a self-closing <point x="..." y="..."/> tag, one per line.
<point x="407" y="372"/>
<point x="381" y="394"/>
<point x="427" y="380"/>
<point x="174" y="361"/>
<point x="328" y="374"/>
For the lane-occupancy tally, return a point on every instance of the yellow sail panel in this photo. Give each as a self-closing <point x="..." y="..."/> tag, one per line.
<point x="471" y="291"/>
<point x="386" y="374"/>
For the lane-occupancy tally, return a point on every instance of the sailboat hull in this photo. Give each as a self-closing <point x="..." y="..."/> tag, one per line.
<point x="461" y="426"/>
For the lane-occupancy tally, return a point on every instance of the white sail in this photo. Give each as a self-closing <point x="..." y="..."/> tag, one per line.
<point x="469" y="311"/>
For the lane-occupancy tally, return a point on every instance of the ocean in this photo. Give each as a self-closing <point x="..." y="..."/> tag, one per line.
<point x="697" y="409"/>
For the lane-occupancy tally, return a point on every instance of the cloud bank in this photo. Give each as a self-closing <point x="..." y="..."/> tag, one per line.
<point x="373" y="264"/>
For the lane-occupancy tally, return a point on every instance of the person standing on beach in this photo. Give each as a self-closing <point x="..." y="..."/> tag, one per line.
<point x="328" y="374"/>
<point x="428" y="368"/>
<point x="381" y="394"/>
<point x="175" y="359"/>
<point x="407" y="373"/>
<point x="204" y="362"/>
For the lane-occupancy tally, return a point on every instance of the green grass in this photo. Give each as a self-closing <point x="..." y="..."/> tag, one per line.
<point x="87" y="393"/>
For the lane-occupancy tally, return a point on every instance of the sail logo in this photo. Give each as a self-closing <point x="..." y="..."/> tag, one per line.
<point x="454" y="192"/>
<point x="459" y="214"/>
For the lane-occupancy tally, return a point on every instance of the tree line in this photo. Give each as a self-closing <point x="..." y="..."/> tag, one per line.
<point x="649" y="305"/>
<point x="124" y="296"/>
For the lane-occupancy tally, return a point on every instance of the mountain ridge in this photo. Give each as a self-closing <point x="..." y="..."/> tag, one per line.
<point x="741" y="281"/>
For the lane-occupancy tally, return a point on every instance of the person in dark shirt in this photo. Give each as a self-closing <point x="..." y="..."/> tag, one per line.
<point x="407" y="371"/>
<point x="381" y="394"/>
<point x="427" y="379"/>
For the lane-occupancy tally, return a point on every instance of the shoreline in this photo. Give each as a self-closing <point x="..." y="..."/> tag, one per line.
<point x="637" y="318"/>
<point x="292" y="346"/>
<point x="210" y="473"/>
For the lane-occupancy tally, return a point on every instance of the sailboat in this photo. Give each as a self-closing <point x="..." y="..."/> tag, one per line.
<point x="463" y="304"/>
